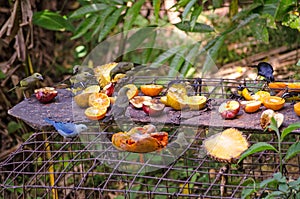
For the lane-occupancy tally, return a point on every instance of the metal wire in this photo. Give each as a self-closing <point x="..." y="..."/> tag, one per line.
<point x="93" y="168"/>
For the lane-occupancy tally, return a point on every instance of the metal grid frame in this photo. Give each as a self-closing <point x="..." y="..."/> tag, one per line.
<point x="77" y="173"/>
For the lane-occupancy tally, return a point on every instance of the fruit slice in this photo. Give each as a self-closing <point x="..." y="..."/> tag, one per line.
<point x="92" y="89"/>
<point x="273" y="102"/>
<point x="151" y="89"/>
<point x="103" y="73"/>
<point x="132" y="92"/>
<point x="251" y="106"/>
<point x="109" y="89"/>
<point x="82" y="99"/>
<point x="297" y="108"/>
<point x="176" y="101"/>
<point x="261" y="95"/>
<point x="226" y="146"/>
<point x="277" y="86"/>
<point x="163" y="100"/>
<point x="99" y="100"/>
<point x="246" y="94"/>
<point x="140" y="140"/>
<point x="137" y="101"/>
<point x="153" y="107"/>
<point x="294" y="87"/>
<point x="46" y="94"/>
<point x="265" y="118"/>
<point x="196" y="102"/>
<point x="95" y="113"/>
<point x="229" y="109"/>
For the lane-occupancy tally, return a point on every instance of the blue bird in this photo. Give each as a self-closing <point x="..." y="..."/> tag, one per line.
<point x="67" y="130"/>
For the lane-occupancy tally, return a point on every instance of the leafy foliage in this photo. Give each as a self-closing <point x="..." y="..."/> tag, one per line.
<point x="96" y="20"/>
<point x="285" y="189"/>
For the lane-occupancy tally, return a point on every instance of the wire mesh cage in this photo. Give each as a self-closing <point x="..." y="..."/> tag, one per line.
<point x="49" y="166"/>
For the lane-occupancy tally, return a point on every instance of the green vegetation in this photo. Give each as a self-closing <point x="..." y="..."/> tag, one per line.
<point x="279" y="182"/>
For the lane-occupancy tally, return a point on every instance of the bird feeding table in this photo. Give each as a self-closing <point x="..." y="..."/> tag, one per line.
<point x="46" y="165"/>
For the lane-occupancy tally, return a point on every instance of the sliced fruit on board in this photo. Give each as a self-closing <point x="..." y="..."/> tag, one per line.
<point x="151" y="89"/>
<point x="95" y="113"/>
<point x="226" y="146"/>
<point x="273" y="102"/>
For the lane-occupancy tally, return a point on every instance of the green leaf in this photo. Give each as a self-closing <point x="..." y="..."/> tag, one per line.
<point x="165" y="56"/>
<point x="110" y="23"/>
<point x="187" y="9"/>
<point x="84" y="26"/>
<point x="2" y="75"/>
<point x="274" y="194"/>
<point x="293" y="150"/>
<point x="289" y="130"/>
<point x="247" y="192"/>
<point x="283" y="187"/>
<point x="195" y="14"/>
<point x="283" y="8"/>
<point x="246" y="12"/>
<point x="255" y="148"/>
<point x="13" y="127"/>
<point x="132" y="13"/>
<point x="139" y="37"/>
<point x="177" y="62"/>
<point x="190" y="58"/>
<point x="102" y="18"/>
<point x="89" y="9"/>
<point x="212" y="53"/>
<point x="199" y="27"/>
<point x="51" y="21"/>
<point x="156" y="6"/>
<point x="267" y="182"/>
<point x="279" y="177"/>
<point x="298" y="63"/>
<point x="273" y="125"/>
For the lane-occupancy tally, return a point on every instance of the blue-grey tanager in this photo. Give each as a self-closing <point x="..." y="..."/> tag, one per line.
<point x="67" y="130"/>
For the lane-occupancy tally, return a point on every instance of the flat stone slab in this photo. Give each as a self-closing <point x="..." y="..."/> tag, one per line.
<point x="64" y="109"/>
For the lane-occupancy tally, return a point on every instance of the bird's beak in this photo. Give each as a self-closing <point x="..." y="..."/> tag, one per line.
<point x="41" y="78"/>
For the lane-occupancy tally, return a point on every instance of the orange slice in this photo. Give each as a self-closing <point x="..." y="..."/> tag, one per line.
<point x="151" y="89"/>
<point x="95" y="113"/>
<point x="273" y="102"/>
<point x="251" y="106"/>
<point x="277" y="86"/>
<point x="217" y="145"/>
<point x="132" y="92"/>
<point x="196" y="102"/>
<point x="297" y="108"/>
<point x="99" y="100"/>
<point x="294" y="87"/>
<point x="260" y="95"/>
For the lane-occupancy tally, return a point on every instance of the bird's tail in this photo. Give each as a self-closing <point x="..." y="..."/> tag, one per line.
<point x="10" y="90"/>
<point x="52" y="122"/>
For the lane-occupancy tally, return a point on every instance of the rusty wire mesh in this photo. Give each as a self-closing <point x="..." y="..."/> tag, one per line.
<point x="48" y="166"/>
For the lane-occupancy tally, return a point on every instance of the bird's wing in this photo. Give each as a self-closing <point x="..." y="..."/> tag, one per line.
<point x="67" y="128"/>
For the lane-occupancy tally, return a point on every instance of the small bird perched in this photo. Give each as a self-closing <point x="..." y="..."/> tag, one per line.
<point x="121" y="67"/>
<point x="120" y="106"/>
<point x="28" y="82"/>
<point x="67" y="130"/>
<point x="265" y="70"/>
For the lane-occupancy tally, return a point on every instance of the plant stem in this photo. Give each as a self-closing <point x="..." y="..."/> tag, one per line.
<point x="279" y="149"/>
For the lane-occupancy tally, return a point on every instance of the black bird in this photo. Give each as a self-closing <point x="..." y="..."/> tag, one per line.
<point x="265" y="70"/>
